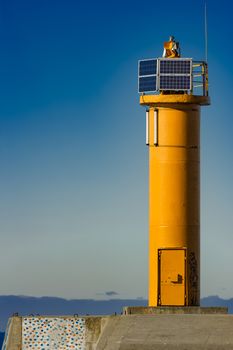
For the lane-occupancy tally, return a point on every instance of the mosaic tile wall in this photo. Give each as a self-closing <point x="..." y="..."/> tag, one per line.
<point x="53" y="333"/>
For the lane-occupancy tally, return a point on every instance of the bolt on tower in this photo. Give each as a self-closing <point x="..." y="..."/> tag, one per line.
<point x="173" y="89"/>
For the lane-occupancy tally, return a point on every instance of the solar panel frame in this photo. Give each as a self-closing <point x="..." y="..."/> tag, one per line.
<point x="174" y="82"/>
<point x="175" y="74"/>
<point x="178" y="66"/>
<point x="147" y="67"/>
<point x="147" y="83"/>
<point x="147" y="72"/>
<point x="161" y="74"/>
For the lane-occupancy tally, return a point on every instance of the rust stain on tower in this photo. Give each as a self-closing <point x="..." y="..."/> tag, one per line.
<point x="173" y="89"/>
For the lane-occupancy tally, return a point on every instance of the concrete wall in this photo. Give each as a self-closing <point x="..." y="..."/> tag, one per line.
<point x="50" y="333"/>
<point x="13" y="334"/>
<point x="170" y="332"/>
<point x="128" y="332"/>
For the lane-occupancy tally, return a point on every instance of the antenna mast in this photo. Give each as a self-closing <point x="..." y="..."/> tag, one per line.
<point x="206" y="35"/>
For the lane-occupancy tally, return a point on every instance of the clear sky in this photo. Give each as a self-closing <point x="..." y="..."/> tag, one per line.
<point x="73" y="178"/>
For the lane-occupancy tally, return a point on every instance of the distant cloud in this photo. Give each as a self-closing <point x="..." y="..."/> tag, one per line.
<point x="111" y="293"/>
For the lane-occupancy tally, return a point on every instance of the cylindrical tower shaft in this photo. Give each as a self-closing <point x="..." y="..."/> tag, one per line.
<point x="174" y="199"/>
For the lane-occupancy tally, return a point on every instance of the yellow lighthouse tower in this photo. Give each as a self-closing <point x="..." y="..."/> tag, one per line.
<point x="173" y="89"/>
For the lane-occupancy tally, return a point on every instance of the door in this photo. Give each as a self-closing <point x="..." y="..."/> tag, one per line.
<point x="172" y="276"/>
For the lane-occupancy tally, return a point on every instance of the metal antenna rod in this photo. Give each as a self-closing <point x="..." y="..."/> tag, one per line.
<point x="206" y="35"/>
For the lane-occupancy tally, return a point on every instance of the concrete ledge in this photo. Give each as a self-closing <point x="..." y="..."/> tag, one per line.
<point x="166" y="100"/>
<point x="147" y="310"/>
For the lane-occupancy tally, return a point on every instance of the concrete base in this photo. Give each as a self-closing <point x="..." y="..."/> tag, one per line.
<point x="170" y="332"/>
<point x="147" y="310"/>
<point x="129" y="332"/>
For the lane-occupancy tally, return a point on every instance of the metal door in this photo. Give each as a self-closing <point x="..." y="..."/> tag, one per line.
<point x="172" y="276"/>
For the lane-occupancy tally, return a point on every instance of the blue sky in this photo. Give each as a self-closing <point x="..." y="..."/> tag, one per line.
<point x="73" y="179"/>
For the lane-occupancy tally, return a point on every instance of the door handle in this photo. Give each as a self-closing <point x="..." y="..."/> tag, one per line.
<point x="179" y="279"/>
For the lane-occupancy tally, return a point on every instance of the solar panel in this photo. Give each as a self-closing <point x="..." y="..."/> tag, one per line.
<point x="177" y="82"/>
<point x="147" y="67"/>
<point x="175" y="74"/>
<point x="147" y="84"/>
<point x="165" y="74"/>
<point x="147" y="79"/>
<point x="175" y="66"/>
